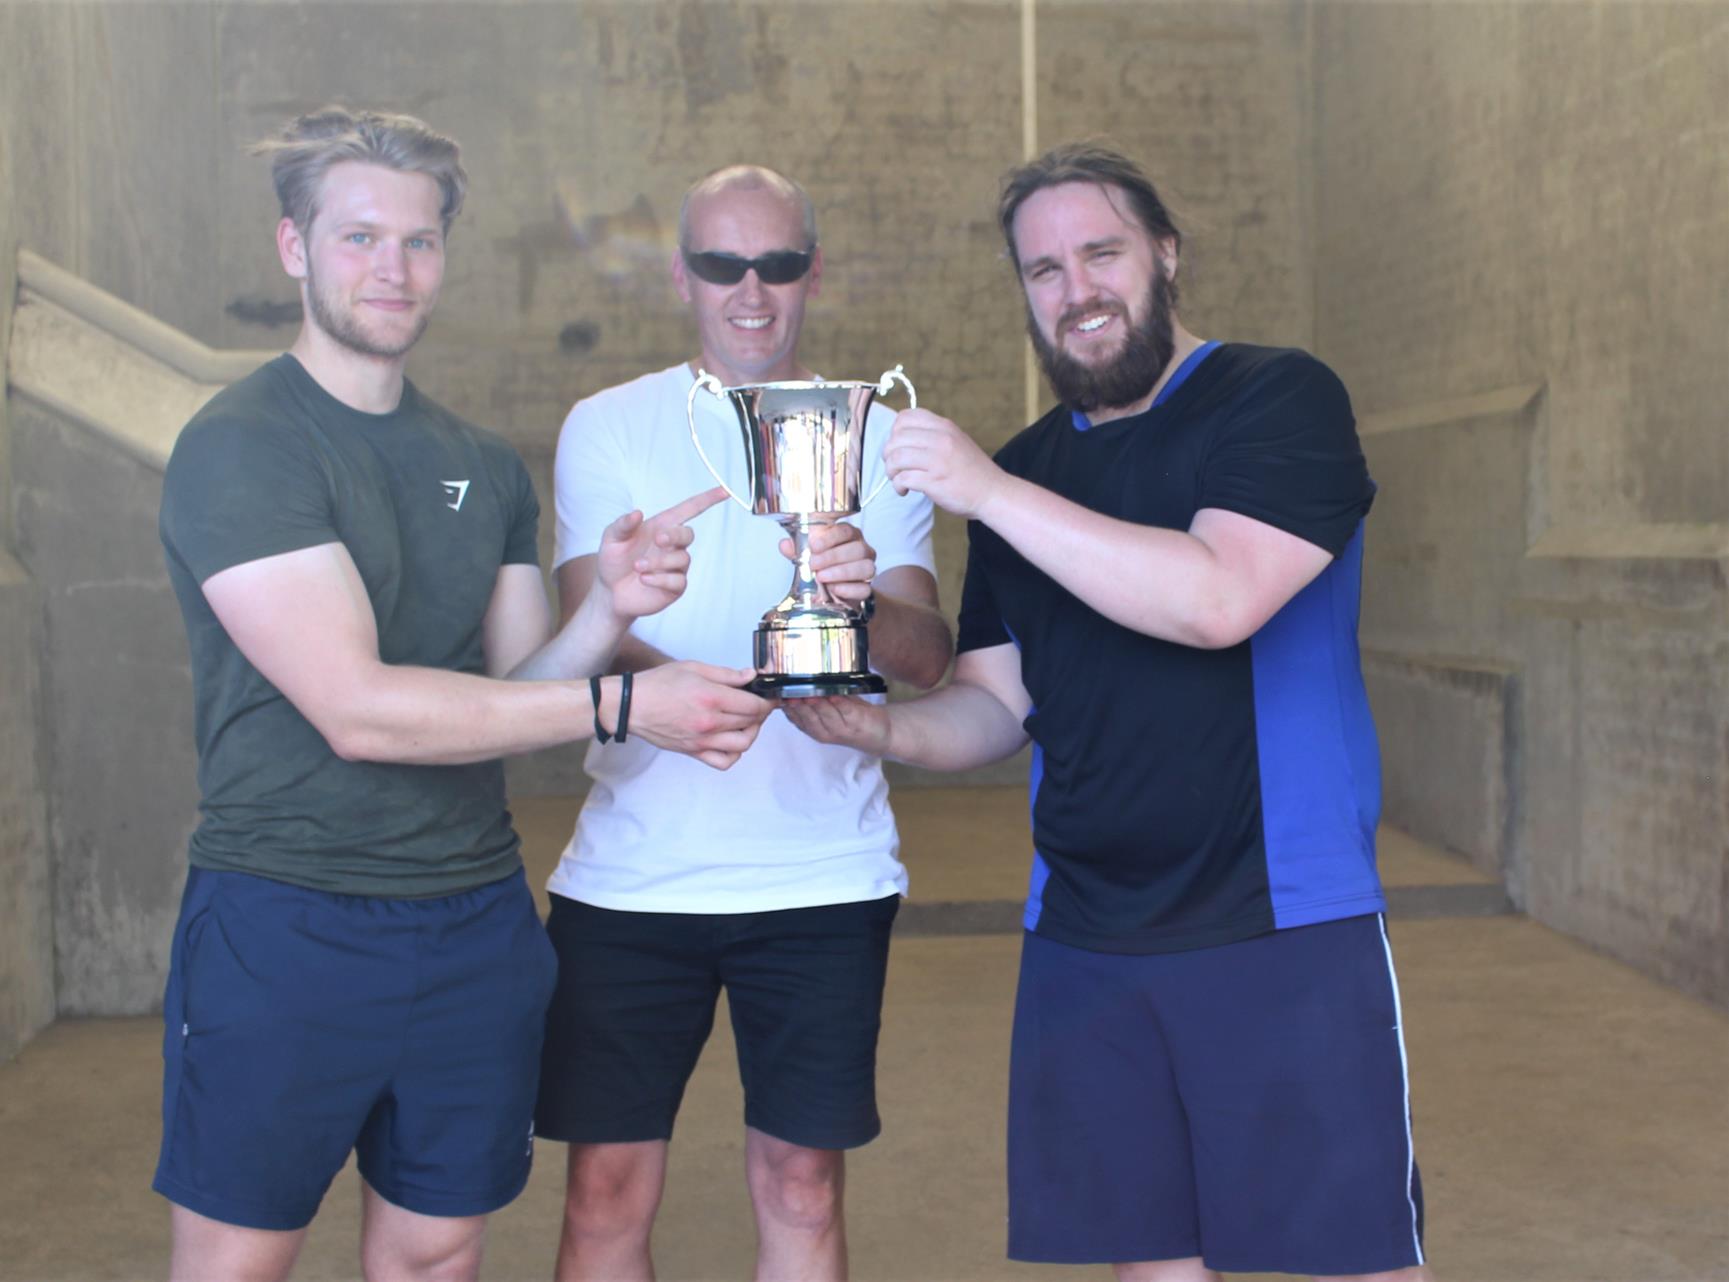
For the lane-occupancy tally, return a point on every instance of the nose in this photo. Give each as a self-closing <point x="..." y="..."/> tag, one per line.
<point x="751" y="287"/>
<point x="1078" y="285"/>
<point x="389" y="262"/>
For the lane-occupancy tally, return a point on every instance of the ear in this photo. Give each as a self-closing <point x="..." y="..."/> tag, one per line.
<point x="1168" y="257"/>
<point x="680" y="275"/>
<point x="291" y="248"/>
<point x="815" y="272"/>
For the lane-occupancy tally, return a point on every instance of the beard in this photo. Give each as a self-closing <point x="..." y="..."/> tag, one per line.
<point x="337" y="319"/>
<point x="1125" y="377"/>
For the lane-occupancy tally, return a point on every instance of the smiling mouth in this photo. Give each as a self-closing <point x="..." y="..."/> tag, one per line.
<point x="751" y="322"/>
<point x="1093" y="323"/>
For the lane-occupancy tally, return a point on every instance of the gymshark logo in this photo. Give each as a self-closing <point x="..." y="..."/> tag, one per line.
<point x="457" y="490"/>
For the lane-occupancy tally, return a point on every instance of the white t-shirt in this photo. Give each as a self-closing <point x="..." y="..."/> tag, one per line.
<point x="794" y="823"/>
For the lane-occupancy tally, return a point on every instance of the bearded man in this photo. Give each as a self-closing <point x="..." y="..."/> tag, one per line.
<point x="1208" y="1069"/>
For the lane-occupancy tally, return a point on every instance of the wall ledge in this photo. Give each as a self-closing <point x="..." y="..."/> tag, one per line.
<point x="12" y="570"/>
<point x="1500" y="402"/>
<point x="1435" y="662"/>
<point x="1635" y="541"/>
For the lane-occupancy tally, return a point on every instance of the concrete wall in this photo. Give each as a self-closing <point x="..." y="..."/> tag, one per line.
<point x="1505" y="225"/>
<point x="107" y="159"/>
<point x="122" y="133"/>
<point x="1522" y="230"/>
<point x="118" y="770"/>
<point x="26" y="909"/>
<point x="603" y="113"/>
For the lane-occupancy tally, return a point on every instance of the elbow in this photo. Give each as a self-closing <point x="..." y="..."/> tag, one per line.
<point x="927" y="676"/>
<point x="352" y="739"/>
<point x="932" y="666"/>
<point x="350" y="743"/>
<point x="1218" y="627"/>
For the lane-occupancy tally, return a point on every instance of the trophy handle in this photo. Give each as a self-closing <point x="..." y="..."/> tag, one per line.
<point x="884" y="385"/>
<point x="706" y="380"/>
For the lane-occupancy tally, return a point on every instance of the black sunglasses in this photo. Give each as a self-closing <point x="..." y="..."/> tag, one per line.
<point x="782" y="267"/>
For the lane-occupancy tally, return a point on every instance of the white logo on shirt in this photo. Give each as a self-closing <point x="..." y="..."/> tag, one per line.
<point x="458" y="490"/>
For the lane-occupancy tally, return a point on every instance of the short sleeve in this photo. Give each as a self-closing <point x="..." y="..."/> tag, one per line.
<point x="897" y="526"/>
<point x="522" y="539"/>
<point x="981" y="621"/>
<point x="1289" y="456"/>
<point x="588" y="473"/>
<point x="238" y="491"/>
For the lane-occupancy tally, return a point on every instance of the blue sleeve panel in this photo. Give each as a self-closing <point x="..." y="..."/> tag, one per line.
<point x="1319" y="760"/>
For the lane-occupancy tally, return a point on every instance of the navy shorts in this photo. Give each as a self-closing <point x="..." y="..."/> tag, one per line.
<point x="1246" y="1104"/>
<point x="302" y="1025"/>
<point x="636" y="999"/>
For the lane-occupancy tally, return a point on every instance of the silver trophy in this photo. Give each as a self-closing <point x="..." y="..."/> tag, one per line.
<point x="804" y="449"/>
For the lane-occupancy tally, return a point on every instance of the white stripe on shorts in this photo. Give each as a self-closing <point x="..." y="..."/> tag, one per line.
<point x="1405" y="1075"/>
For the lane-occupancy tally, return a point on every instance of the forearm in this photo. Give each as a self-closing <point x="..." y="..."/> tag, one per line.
<point x="585" y="645"/>
<point x="960" y="727"/>
<point x="636" y="655"/>
<point x="427" y="716"/>
<point x="910" y="641"/>
<point x="1159" y="582"/>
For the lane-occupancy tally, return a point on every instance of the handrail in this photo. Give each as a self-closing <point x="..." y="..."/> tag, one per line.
<point x="154" y="338"/>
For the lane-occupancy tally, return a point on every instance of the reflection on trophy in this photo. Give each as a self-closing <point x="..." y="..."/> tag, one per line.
<point x="804" y="450"/>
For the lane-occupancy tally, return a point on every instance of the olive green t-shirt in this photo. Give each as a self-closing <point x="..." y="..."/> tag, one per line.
<point x="430" y="508"/>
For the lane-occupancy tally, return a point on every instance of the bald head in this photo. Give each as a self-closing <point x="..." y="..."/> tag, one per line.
<point x="747" y="178"/>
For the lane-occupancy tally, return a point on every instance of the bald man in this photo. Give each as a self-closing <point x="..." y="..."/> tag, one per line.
<point x="779" y="887"/>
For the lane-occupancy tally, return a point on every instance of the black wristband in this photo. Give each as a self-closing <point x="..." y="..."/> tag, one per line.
<point x="600" y="735"/>
<point x="623" y="709"/>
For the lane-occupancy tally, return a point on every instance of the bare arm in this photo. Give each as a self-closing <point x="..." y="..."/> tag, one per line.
<point x="640" y="569"/>
<point x="973" y="721"/>
<point x="1211" y="586"/>
<point x="304" y="621"/>
<point x="575" y="581"/>
<point x="909" y="638"/>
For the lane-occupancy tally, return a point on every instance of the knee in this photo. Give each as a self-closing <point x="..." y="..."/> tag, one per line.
<point x="611" y="1192"/>
<point x="800" y="1186"/>
<point x="433" y="1252"/>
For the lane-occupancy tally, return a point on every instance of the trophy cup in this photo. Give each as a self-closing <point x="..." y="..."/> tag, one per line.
<point x="804" y="450"/>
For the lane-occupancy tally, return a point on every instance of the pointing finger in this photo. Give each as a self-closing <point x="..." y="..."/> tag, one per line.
<point x="695" y="505"/>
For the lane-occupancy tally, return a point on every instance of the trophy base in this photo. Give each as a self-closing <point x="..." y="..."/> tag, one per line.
<point x="811" y="653"/>
<point x="791" y="685"/>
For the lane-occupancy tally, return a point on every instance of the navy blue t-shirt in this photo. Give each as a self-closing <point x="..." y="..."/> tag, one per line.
<point x="1181" y="797"/>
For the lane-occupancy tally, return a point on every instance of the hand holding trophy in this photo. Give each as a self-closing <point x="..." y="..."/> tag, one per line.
<point x="804" y="450"/>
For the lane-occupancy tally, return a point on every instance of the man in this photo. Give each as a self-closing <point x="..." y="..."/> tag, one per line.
<point x="1207" y="1064"/>
<point x="779" y="886"/>
<point x="358" y="964"/>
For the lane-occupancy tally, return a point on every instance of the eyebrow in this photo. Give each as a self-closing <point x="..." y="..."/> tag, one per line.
<point x="361" y="224"/>
<point x="1107" y="242"/>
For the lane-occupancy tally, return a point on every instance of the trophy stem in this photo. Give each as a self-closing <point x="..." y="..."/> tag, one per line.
<point x="806" y="591"/>
<point x="811" y="643"/>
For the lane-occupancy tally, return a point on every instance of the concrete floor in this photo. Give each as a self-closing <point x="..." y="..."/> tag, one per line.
<point x="1572" y="1117"/>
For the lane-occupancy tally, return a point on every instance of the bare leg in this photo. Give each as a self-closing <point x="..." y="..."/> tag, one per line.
<point x="207" y="1250"/>
<point x="1189" y="1270"/>
<point x="612" y="1192"/>
<point x="398" y="1245"/>
<point x="798" y="1195"/>
<point x="1419" y="1274"/>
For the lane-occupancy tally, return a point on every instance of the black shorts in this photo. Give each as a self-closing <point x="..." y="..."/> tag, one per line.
<point x="635" y="1002"/>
